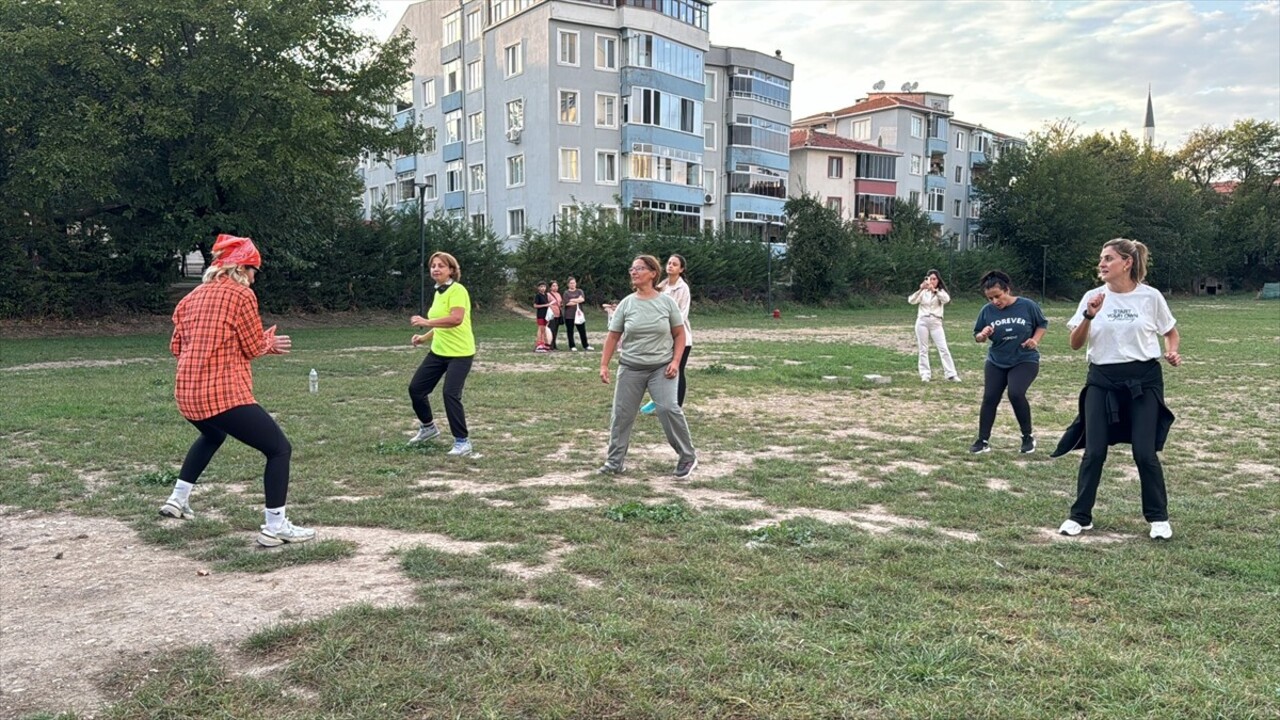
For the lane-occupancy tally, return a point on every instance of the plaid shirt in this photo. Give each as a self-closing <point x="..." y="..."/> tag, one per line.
<point x="216" y="332"/>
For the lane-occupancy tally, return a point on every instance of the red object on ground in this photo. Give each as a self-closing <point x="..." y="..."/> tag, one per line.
<point x="777" y="314"/>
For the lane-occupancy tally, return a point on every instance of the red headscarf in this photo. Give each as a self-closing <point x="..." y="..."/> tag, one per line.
<point x="232" y="250"/>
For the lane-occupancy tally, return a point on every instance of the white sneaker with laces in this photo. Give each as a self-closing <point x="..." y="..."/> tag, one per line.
<point x="175" y="509"/>
<point x="1161" y="530"/>
<point x="425" y="432"/>
<point x="461" y="447"/>
<point x="1073" y="528"/>
<point x="286" y="533"/>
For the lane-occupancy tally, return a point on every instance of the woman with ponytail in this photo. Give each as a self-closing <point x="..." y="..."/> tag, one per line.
<point x="1122" y="322"/>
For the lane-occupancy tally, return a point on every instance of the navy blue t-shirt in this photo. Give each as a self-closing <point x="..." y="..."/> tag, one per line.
<point x="1014" y="325"/>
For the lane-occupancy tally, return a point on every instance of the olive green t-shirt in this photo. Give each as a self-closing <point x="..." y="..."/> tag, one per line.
<point x="646" y="327"/>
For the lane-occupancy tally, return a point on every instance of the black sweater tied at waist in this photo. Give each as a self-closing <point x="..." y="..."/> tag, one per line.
<point x="1132" y="378"/>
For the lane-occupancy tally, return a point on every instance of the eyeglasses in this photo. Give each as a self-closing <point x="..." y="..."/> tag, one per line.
<point x="639" y="268"/>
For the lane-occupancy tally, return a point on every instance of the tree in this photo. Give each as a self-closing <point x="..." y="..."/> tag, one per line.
<point x="819" y="249"/>
<point x="135" y="130"/>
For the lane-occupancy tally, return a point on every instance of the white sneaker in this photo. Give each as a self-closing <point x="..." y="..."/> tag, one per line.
<point x="425" y="432"/>
<point x="1073" y="528"/>
<point x="287" y="533"/>
<point x="182" y="510"/>
<point x="461" y="447"/>
<point x="1161" y="530"/>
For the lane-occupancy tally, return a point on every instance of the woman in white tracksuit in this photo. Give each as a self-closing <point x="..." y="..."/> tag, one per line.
<point x="929" y="300"/>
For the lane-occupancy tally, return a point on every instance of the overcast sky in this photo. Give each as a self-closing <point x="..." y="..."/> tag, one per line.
<point x="1016" y="65"/>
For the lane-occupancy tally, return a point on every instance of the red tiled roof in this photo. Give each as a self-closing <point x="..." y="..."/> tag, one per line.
<point x="1224" y="188"/>
<point x="805" y="137"/>
<point x="881" y="102"/>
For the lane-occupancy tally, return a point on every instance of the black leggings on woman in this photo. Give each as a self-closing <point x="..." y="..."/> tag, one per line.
<point x="684" y="360"/>
<point x="1017" y="379"/>
<point x="1142" y="415"/>
<point x="454" y="370"/>
<point x="251" y="425"/>
<point x="582" y="332"/>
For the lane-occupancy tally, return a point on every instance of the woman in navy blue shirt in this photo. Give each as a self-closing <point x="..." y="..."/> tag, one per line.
<point x="1014" y="326"/>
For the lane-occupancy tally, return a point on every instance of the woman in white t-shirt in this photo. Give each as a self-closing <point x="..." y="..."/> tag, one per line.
<point x="929" y="301"/>
<point x="675" y="286"/>
<point x="1123" y="398"/>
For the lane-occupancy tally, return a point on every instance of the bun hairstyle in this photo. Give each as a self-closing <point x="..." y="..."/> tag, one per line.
<point x="993" y="279"/>
<point x="683" y="265"/>
<point x="935" y="273"/>
<point x="1131" y="250"/>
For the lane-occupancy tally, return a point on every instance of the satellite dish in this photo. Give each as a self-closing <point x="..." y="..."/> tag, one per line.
<point x="915" y="85"/>
<point x="906" y="86"/>
<point x="878" y="86"/>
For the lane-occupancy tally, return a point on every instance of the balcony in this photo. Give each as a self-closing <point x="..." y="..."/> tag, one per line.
<point x="936" y="146"/>
<point x="977" y="158"/>
<point x="406" y="164"/>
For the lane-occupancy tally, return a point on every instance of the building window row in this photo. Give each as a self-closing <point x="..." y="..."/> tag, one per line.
<point x="689" y="12"/>
<point x="658" y="53"/>
<point x="757" y="180"/>
<point x="873" y="207"/>
<point x="760" y="86"/>
<point x="751" y="131"/>
<point x="876" y="167"/>
<point x="501" y="9"/>
<point x="646" y="106"/>
<point x="664" y="169"/>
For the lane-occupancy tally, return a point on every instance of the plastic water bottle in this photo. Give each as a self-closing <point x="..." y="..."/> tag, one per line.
<point x="315" y="381"/>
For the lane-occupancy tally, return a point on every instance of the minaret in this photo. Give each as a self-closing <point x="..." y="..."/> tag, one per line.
<point x="1149" y="127"/>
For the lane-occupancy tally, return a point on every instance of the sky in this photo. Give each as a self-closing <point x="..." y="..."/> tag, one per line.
<point x="1016" y="66"/>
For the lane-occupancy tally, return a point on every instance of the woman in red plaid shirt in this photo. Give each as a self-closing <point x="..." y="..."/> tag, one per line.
<point x="216" y="333"/>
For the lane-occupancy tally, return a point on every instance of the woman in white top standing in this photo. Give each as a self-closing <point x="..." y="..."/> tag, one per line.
<point x="929" y="300"/>
<point x="1123" y="398"/>
<point x="675" y="286"/>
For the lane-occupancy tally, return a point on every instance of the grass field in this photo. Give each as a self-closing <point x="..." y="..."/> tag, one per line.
<point x="838" y="553"/>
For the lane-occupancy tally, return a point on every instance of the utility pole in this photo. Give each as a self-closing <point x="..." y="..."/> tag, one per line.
<point x="422" y="249"/>
<point x="1044" y="263"/>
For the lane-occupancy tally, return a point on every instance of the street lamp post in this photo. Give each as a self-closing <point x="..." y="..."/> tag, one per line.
<point x="1044" y="263"/>
<point x="422" y="249"/>
<point x="768" y="248"/>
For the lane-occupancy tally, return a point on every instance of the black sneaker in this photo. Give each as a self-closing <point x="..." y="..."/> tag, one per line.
<point x="979" y="446"/>
<point x="1028" y="444"/>
<point x="685" y="467"/>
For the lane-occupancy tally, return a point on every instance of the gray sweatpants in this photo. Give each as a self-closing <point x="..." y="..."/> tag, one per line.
<point x="628" y="390"/>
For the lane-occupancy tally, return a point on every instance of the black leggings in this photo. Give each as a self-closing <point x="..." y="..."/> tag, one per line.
<point x="454" y="370"/>
<point x="1142" y="416"/>
<point x="684" y="360"/>
<point x="582" y="331"/>
<point x="1017" y="379"/>
<point x="251" y="425"/>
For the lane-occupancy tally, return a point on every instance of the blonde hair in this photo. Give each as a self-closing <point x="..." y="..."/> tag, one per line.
<point x="239" y="273"/>
<point x="654" y="266"/>
<point x="1135" y="251"/>
<point x="455" y="270"/>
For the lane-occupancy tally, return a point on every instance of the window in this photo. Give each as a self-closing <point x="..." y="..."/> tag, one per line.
<point x="936" y="200"/>
<point x="475" y="75"/>
<point x="568" y="47"/>
<point x="515" y="221"/>
<point x="429" y="92"/>
<point x="515" y="171"/>
<point x="709" y="80"/>
<point x="453" y="176"/>
<point x="606" y="167"/>
<point x="973" y="209"/>
<point x="916" y="162"/>
<point x="479" y="222"/>
<point x="404" y="187"/>
<point x="452" y="28"/>
<point x="475" y="123"/>
<point x="873" y="207"/>
<point x="861" y="129"/>
<point x="835" y="166"/>
<point x="658" y="53"/>
<point x="758" y="132"/>
<point x="760" y="86"/>
<point x="515" y="114"/>
<point x="514" y="55"/>
<point x="709" y="136"/>
<point x="876" y="167"/>
<point x="569" y="165"/>
<point x="914" y="198"/>
<point x="956" y="212"/>
<point x="453" y="127"/>
<point x="689" y="115"/>
<point x="606" y="110"/>
<point x="429" y="188"/>
<point x="452" y="76"/>
<point x="475" y="25"/>
<point x="835" y="203"/>
<point x="477" y="178"/>
<point x="709" y="182"/>
<point x="606" y="52"/>
<point x="917" y="126"/>
<point x="665" y="164"/>
<point x="959" y="141"/>
<point x="959" y="174"/>
<point x="568" y="107"/>
<point x="429" y="141"/>
<point x="389" y="192"/>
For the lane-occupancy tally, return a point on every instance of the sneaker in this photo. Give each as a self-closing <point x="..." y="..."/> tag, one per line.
<point x="607" y="469"/>
<point x="954" y="378"/>
<point x="461" y="447"/>
<point x="540" y="349"/>
<point x="287" y="533"/>
<point x="588" y="348"/>
<point x="685" y="467"/>
<point x="180" y="510"/>
<point x="925" y="379"/>
<point x="1161" y="530"/>
<point x="980" y="446"/>
<point x="425" y="432"/>
<point x="649" y="407"/>
<point x="1028" y="444"/>
<point x="574" y="349"/>
<point x="1073" y="528"/>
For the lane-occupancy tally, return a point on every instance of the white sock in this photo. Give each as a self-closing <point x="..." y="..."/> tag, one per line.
<point x="275" y="518"/>
<point x="182" y="491"/>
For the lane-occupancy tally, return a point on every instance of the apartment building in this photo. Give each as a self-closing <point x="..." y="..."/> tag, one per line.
<point x="856" y="179"/>
<point x="938" y="156"/>
<point x="537" y="108"/>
